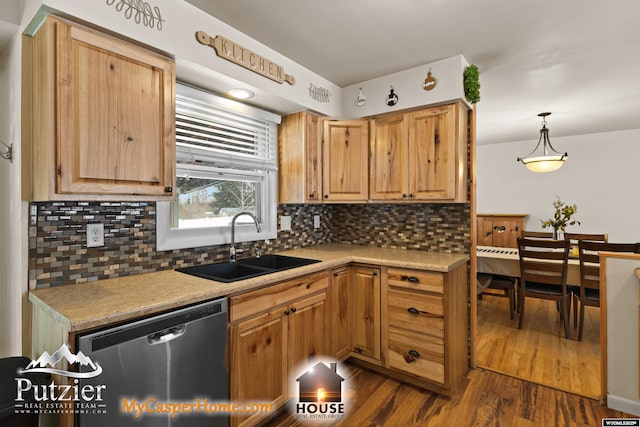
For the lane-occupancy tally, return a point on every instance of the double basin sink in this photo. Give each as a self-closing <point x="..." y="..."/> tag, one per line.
<point x="246" y="268"/>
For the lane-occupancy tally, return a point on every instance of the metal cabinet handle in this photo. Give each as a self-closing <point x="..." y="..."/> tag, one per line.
<point x="413" y="279"/>
<point x="411" y="356"/>
<point x="168" y="189"/>
<point x="286" y="312"/>
<point x="413" y="310"/>
<point x="293" y="309"/>
<point x="375" y="273"/>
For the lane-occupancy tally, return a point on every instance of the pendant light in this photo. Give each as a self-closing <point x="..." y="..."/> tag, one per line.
<point x="550" y="159"/>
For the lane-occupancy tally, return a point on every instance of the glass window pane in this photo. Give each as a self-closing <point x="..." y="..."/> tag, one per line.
<point x="203" y="202"/>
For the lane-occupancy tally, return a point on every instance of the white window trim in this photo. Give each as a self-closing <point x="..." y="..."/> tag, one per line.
<point x="168" y="238"/>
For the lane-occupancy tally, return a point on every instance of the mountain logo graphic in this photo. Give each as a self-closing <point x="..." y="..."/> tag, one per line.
<point x="41" y="363"/>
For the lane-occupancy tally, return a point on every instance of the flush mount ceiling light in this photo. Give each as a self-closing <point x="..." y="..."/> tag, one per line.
<point x="550" y="159"/>
<point x="241" y="93"/>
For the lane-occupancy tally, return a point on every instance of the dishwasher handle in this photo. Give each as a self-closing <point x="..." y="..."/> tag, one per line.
<point x="166" y="335"/>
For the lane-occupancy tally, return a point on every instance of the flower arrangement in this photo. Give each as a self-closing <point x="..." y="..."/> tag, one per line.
<point x="563" y="216"/>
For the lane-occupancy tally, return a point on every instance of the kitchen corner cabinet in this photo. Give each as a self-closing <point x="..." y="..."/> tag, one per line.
<point x="501" y="230"/>
<point x="273" y="332"/>
<point x="365" y="313"/>
<point x="420" y="155"/>
<point x="300" y="158"/>
<point x="426" y="326"/>
<point x="345" y="171"/>
<point x="340" y="296"/>
<point x="99" y="117"/>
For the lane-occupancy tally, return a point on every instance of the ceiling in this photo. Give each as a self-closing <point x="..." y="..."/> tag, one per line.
<point x="578" y="59"/>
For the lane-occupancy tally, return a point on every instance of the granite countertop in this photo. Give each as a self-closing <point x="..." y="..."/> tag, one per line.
<point x="92" y="305"/>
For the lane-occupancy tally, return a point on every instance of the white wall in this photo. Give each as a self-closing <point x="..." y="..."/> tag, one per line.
<point x="13" y="283"/>
<point x="600" y="176"/>
<point x="623" y="388"/>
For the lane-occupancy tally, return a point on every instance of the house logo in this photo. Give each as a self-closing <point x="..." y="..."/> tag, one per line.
<point x="320" y="392"/>
<point x="41" y="363"/>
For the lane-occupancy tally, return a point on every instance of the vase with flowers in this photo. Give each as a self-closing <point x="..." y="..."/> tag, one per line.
<point x="563" y="216"/>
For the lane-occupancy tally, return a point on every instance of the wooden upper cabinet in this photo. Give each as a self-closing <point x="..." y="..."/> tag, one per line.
<point x="300" y="158"/>
<point x="345" y="151"/>
<point x="389" y="152"/>
<point x="103" y="116"/>
<point x="420" y="155"/>
<point x="438" y="153"/>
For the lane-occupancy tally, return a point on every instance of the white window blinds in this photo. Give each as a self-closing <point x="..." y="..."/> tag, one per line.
<point x="223" y="133"/>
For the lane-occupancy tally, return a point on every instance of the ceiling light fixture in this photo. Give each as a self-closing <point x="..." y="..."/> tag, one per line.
<point x="551" y="159"/>
<point x="241" y="93"/>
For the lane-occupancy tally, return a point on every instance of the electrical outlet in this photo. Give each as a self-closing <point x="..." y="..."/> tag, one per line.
<point x="95" y="235"/>
<point x="316" y="221"/>
<point x="285" y="223"/>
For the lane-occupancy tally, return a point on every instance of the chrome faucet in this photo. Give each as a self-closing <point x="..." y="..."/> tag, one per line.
<point x="232" y="251"/>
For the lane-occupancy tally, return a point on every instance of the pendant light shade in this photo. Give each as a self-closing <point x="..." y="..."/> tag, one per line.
<point x="549" y="159"/>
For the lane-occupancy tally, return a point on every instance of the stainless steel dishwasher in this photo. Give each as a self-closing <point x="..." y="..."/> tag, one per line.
<point x="175" y="358"/>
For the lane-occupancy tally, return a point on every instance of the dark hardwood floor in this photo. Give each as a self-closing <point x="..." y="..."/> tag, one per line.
<point x="490" y="399"/>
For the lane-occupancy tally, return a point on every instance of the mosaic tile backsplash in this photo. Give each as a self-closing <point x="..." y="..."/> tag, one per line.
<point x="430" y="227"/>
<point x="58" y="254"/>
<point x="57" y="242"/>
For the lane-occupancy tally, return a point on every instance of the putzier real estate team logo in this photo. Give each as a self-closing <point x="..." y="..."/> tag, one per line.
<point x="320" y="393"/>
<point x="71" y="397"/>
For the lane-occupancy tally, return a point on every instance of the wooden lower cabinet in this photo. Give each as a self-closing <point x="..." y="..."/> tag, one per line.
<point x="425" y="326"/>
<point x="365" y="312"/>
<point x="340" y="296"/>
<point x="269" y="348"/>
<point x="411" y="324"/>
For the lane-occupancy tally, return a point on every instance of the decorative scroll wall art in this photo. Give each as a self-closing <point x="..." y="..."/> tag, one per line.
<point x="319" y="94"/>
<point x="245" y="58"/>
<point x="141" y="12"/>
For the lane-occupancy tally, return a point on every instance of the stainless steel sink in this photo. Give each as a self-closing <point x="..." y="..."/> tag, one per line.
<point x="246" y="268"/>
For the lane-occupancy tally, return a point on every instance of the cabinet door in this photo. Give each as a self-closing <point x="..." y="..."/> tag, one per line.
<point x="365" y="328"/>
<point x="506" y="232"/>
<point x="432" y="153"/>
<point x="259" y="361"/>
<point x="307" y="331"/>
<point x="345" y="151"/>
<point x="485" y="231"/>
<point x="300" y="158"/>
<point x="115" y="116"/>
<point x="340" y="291"/>
<point x="389" y="174"/>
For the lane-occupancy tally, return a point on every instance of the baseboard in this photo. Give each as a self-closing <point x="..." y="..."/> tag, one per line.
<point x="622" y="404"/>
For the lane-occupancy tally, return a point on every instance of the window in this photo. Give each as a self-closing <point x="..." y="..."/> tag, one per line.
<point x="226" y="163"/>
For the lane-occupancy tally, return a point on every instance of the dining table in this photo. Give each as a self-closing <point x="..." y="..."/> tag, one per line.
<point x="506" y="262"/>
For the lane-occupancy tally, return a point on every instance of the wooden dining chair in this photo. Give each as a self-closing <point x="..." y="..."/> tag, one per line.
<point x="537" y="234"/>
<point x="575" y="238"/>
<point x="589" y="291"/>
<point x="543" y="274"/>
<point x="504" y="283"/>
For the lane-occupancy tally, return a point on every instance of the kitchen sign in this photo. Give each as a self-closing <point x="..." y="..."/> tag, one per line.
<point x="246" y="58"/>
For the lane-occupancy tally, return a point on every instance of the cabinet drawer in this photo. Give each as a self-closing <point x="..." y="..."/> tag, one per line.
<point x="260" y="300"/>
<point x="416" y="279"/>
<point x="417" y="354"/>
<point x="416" y="312"/>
